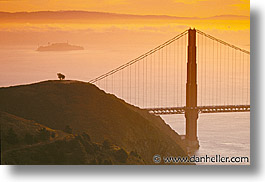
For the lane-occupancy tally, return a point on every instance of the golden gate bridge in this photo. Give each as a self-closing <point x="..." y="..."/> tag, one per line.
<point x="189" y="74"/>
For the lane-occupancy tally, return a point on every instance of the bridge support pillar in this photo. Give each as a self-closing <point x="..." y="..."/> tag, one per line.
<point x="191" y="138"/>
<point x="191" y="112"/>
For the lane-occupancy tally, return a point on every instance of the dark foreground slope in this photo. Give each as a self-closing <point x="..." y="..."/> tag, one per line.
<point x="33" y="143"/>
<point x="86" y="108"/>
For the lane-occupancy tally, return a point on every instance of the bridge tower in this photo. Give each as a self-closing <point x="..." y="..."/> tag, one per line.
<point x="191" y="112"/>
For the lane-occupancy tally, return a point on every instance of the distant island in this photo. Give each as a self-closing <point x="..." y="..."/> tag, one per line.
<point x="59" y="47"/>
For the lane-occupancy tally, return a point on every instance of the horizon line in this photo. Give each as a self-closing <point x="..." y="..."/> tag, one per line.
<point x="128" y="14"/>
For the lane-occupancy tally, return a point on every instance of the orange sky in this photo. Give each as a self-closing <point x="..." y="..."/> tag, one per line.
<point x="33" y="29"/>
<point x="111" y="39"/>
<point x="190" y="8"/>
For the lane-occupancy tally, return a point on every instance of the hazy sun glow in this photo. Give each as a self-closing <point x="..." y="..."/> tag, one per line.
<point x="122" y="29"/>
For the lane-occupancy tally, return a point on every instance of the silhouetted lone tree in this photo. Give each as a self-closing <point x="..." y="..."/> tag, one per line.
<point x="60" y="76"/>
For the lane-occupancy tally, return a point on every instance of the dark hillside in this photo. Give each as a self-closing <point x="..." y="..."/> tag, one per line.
<point x="57" y="148"/>
<point x="86" y="108"/>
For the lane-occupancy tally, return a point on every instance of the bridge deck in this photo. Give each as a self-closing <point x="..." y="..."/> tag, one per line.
<point x="201" y="109"/>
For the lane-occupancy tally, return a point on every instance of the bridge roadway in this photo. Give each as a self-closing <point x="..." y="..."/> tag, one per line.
<point x="201" y="109"/>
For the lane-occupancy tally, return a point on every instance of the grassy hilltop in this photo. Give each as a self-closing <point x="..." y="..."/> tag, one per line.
<point x="103" y="128"/>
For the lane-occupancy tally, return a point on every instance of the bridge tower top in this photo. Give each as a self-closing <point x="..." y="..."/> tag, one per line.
<point x="191" y="112"/>
<point x="191" y="86"/>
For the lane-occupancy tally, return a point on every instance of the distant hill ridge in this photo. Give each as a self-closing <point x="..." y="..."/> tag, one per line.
<point x="90" y="15"/>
